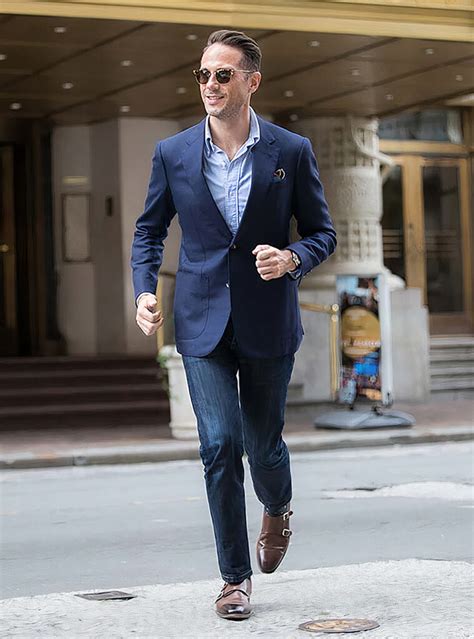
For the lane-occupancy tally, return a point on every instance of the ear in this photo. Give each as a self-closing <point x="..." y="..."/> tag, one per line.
<point x="255" y="80"/>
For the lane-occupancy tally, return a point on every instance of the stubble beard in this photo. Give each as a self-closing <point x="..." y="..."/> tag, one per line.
<point x="227" y="112"/>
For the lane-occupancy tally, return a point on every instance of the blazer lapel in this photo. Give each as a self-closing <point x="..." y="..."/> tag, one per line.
<point x="192" y="162"/>
<point x="265" y="158"/>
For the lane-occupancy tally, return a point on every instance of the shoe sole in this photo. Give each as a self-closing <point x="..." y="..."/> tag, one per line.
<point x="234" y="616"/>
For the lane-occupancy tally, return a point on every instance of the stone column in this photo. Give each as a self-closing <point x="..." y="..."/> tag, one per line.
<point x="347" y="150"/>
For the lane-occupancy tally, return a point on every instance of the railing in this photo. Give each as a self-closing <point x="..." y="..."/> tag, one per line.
<point x="330" y="309"/>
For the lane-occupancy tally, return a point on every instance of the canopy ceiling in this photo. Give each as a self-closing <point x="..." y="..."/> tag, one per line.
<point x="76" y="70"/>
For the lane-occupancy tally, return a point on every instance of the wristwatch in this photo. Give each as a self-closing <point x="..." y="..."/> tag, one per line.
<point x="296" y="259"/>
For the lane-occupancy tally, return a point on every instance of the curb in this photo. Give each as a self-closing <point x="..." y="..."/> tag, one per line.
<point x="189" y="450"/>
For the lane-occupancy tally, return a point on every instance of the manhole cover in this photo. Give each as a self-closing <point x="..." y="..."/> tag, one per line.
<point x="338" y="625"/>
<point x="107" y="595"/>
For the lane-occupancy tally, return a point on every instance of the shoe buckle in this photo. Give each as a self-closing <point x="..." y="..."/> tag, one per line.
<point x="286" y="532"/>
<point x="286" y="516"/>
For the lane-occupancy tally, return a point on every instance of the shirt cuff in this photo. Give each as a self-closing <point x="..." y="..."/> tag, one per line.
<point x="296" y="273"/>
<point x="137" y="301"/>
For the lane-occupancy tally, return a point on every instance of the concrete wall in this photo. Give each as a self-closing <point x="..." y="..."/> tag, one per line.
<point x="71" y="153"/>
<point x="107" y="238"/>
<point x="138" y="137"/>
<point x="410" y="346"/>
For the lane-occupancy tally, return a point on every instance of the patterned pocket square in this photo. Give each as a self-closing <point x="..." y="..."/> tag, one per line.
<point x="280" y="174"/>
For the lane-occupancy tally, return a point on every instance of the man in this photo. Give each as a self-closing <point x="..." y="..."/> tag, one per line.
<point x="235" y="180"/>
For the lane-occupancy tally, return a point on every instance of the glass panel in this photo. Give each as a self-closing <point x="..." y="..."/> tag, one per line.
<point x="432" y="125"/>
<point x="444" y="273"/>
<point x="392" y="223"/>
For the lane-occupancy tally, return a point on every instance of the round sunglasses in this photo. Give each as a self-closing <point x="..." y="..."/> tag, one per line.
<point x="223" y="76"/>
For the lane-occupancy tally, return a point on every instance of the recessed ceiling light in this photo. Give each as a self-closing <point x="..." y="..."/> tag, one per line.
<point x="314" y="43"/>
<point x="15" y="106"/>
<point x="355" y="72"/>
<point x="191" y="36"/>
<point x="389" y="96"/>
<point x="429" y="51"/>
<point x="459" y="77"/>
<point x="3" y="56"/>
<point x="289" y="94"/>
<point x="126" y="63"/>
<point x="181" y="90"/>
<point x="67" y="85"/>
<point x="60" y="29"/>
<point x="124" y="108"/>
<point x="293" y="117"/>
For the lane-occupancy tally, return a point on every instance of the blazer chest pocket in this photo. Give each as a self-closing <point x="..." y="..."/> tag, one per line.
<point x="278" y="181"/>
<point x="191" y="304"/>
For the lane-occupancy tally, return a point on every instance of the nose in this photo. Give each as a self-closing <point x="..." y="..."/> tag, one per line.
<point x="212" y="82"/>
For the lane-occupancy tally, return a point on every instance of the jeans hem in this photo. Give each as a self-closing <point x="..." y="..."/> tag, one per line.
<point x="232" y="579"/>
<point x="276" y="512"/>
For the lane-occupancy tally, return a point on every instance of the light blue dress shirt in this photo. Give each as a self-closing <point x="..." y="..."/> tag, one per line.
<point x="229" y="181"/>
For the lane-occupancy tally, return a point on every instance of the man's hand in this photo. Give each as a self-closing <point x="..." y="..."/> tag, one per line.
<point x="149" y="318"/>
<point x="272" y="263"/>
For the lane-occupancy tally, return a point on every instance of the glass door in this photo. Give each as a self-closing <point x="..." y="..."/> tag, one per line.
<point x="427" y="236"/>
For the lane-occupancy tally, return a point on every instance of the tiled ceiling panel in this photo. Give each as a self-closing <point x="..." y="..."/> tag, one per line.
<point x="28" y="57"/>
<point x="285" y="53"/>
<point x="418" y="53"/>
<point x="392" y="96"/>
<point x="79" y="32"/>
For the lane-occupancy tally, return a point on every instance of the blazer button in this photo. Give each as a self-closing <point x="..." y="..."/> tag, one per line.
<point x="234" y="246"/>
<point x="227" y="284"/>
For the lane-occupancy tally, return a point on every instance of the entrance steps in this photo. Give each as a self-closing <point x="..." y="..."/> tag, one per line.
<point x="51" y="392"/>
<point x="452" y="365"/>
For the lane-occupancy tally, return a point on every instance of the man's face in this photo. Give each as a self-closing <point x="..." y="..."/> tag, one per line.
<point x="225" y="101"/>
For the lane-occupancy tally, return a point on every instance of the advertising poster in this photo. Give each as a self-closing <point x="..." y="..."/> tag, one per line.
<point x="364" y="323"/>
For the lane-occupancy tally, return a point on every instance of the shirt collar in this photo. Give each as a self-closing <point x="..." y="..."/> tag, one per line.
<point x="254" y="133"/>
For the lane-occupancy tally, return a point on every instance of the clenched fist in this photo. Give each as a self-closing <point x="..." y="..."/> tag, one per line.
<point x="149" y="318"/>
<point x="272" y="263"/>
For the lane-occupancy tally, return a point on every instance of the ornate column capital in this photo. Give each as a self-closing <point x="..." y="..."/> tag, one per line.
<point x="347" y="151"/>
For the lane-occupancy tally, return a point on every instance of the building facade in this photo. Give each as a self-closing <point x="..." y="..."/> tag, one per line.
<point x="384" y="91"/>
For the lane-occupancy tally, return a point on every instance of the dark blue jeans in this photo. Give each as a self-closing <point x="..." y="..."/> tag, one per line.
<point x="232" y="418"/>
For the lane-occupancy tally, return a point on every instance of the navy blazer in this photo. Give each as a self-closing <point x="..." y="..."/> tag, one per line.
<point x="217" y="275"/>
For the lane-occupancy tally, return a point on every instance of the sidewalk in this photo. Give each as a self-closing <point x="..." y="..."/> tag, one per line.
<point x="410" y="599"/>
<point x="435" y="421"/>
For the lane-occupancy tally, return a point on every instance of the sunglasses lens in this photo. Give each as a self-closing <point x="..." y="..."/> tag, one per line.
<point x="223" y="76"/>
<point x="202" y="75"/>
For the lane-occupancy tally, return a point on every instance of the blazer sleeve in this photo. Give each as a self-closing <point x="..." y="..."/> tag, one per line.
<point x="314" y="224"/>
<point x="152" y="229"/>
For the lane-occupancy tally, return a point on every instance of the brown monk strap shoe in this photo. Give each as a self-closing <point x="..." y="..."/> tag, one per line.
<point x="233" y="601"/>
<point x="273" y="541"/>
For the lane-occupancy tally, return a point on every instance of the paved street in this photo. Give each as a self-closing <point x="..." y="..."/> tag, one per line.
<point x="74" y="529"/>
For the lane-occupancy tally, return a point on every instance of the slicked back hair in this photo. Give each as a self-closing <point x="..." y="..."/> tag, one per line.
<point x="251" y="54"/>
